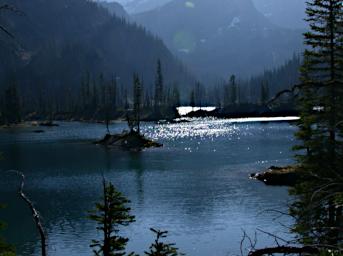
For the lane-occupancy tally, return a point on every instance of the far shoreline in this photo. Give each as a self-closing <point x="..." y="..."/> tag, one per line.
<point x="182" y="119"/>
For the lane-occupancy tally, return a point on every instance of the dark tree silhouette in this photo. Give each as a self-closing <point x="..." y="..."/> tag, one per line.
<point x="159" y="248"/>
<point x="11" y="105"/>
<point x="111" y="214"/>
<point x="5" y="248"/>
<point x="319" y="215"/>
<point x="159" y="87"/>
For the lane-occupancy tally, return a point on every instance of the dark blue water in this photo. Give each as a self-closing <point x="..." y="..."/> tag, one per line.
<point x="196" y="186"/>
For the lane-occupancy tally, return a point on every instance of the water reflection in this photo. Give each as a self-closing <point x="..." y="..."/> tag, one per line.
<point x="196" y="186"/>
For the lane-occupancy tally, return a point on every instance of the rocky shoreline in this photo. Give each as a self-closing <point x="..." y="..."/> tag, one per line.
<point x="278" y="176"/>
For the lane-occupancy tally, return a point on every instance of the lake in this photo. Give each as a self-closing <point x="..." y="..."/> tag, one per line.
<point x="196" y="186"/>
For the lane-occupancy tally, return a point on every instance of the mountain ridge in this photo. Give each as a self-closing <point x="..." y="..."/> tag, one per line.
<point x="78" y="37"/>
<point x="214" y="37"/>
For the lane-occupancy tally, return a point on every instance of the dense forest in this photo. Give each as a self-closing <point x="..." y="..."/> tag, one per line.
<point x="78" y="40"/>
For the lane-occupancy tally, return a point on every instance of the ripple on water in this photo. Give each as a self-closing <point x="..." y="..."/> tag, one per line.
<point x="196" y="187"/>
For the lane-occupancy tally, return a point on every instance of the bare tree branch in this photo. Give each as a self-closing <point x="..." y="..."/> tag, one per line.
<point x="274" y="236"/>
<point x="281" y="93"/>
<point x="6" y="31"/>
<point x="35" y="214"/>
<point x="292" y="91"/>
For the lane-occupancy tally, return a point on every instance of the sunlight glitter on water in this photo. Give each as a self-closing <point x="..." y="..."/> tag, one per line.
<point x="196" y="128"/>
<point x="206" y="127"/>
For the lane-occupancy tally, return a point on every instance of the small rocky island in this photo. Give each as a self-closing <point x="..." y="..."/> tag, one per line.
<point x="132" y="140"/>
<point x="278" y="176"/>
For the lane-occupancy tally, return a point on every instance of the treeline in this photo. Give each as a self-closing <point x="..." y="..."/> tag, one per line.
<point x="95" y="98"/>
<point x="75" y="37"/>
<point x="257" y="90"/>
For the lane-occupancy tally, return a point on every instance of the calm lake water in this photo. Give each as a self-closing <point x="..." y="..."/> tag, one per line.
<point x="196" y="186"/>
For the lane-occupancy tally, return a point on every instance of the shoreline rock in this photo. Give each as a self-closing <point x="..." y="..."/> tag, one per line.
<point x="128" y="140"/>
<point x="278" y="176"/>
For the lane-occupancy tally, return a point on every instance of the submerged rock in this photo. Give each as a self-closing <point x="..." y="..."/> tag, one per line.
<point x="128" y="140"/>
<point x="278" y="176"/>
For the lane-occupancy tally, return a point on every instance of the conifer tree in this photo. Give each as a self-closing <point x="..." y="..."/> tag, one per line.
<point x="233" y="90"/>
<point x="159" y="248"/>
<point x="264" y="93"/>
<point x="107" y="107"/>
<point x="176" y="102"/>
<point x="137" y="99"/>
<point x="113" y="93"/>
<point x="226" y="91"/>
<point x="319" y="216"/>
<point x="12" y="104"/>
<point x="5" y="248"/>
<point x="102" y="88"/>
<point x="111" y="214"/>
<point x="159" y="87"/>
<point x="95" y="96"/>
<point x="192" y="99"/>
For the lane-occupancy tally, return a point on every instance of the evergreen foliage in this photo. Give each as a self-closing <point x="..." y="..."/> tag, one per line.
<point x="175" y="97"/>
<point x="192" y="99"/>
<point x="11" y="105"/>
<point x="159" y="248"/>
<point x="159" y="87"/>
<point x="233" y="90"/>
<point x="278" y="79"/>
<point x="264" y="93"/>
<point x="50" y="58"/>
<point x="318" y="208"/>
<point x="5" y="248"/>
<point x="111" y="214"/>
<point x="137" y="92"/>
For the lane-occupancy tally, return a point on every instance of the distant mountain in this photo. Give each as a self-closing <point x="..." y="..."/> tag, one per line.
<point x="221" y="37"/>
<point x="288" y="14"/>
<point x="137" y="6"/>
<point x="58" y="41"/>
<point x="115" y="9"/>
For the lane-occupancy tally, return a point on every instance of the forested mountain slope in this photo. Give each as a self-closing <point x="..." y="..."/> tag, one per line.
<point x="58" y="41"/>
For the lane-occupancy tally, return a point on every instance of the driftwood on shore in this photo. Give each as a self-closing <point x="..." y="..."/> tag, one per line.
<point x="128" y="140"/>
<point x="278" y="176"/>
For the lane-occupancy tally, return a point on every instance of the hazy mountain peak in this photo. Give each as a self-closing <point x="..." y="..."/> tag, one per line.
<point x="283" y="13"/>
<point x="214" y="37"/>
<point x="115" y="9"/>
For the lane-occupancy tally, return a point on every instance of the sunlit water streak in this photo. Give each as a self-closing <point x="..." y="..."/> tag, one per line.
<point x="196" y="186"/>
